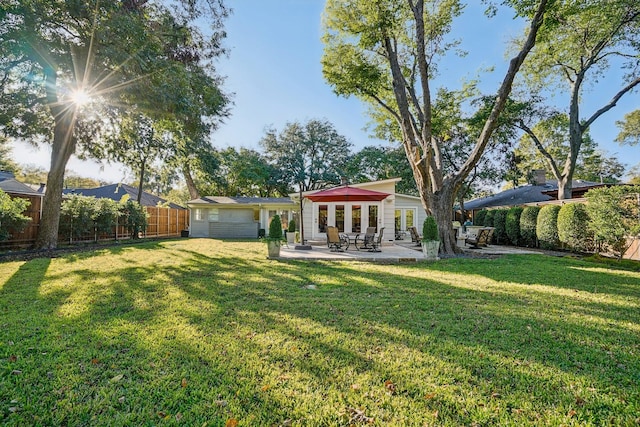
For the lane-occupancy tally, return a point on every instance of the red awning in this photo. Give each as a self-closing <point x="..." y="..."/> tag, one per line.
<point x="347" y="194"/>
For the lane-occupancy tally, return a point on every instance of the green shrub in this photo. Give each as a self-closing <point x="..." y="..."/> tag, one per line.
<point x="528" y="221"/>
<point x="479" y="217"/>
<point x="512" y="225"/>
<point x="500" y="222"/>
<point x="488" y="218"/>
<point x="430" y="229"/>
<point x="133" y="216"/>
<point x="547" y="227"/>
<point x="275" y="228"/>
<point x="105" y="215"/>
<point x="76" y="217"/>
<point x="11" y="218"/>
<point x="573" y="227"/>
<point x="613" y="216"/>
<point x="292" y="226"/>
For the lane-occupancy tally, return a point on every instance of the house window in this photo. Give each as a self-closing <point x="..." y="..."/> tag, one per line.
<point x="197" y="214"/>
<point x="340" y="218"/>
<point x="409" y="215"/>
<point x="256" y="215"/>
<point x="356" y="216"/>
<point x="214" y="215"/>
<point x="323" y="213"/>
<point x="373" y="216"/>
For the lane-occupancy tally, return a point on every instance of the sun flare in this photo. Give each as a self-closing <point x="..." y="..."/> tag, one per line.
<point x="80" y="97"/>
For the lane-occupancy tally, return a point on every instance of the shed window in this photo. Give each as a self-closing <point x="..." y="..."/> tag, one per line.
<point x="197" y="214"/>
<point x="214" y="215"/>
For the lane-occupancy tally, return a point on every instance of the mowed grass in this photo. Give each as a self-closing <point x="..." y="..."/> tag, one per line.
<point x="205" y="332"/>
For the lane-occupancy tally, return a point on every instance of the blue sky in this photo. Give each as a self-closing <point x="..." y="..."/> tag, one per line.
<point x="273" y="70"/>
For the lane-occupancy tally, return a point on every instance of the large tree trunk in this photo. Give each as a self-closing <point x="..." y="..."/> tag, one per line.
<point x="191" y="186"/>
<point x="142" y="170"/>
<point x="63" y="148"/>
<point x="442" y="210"/>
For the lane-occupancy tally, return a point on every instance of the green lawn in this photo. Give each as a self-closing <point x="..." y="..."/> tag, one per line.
<point x="203" y="332"/>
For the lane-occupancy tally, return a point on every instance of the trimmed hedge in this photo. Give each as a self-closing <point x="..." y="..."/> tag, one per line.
<point x="512" y="225"/>
<point x="488" y="219"/>
<point x="275" y="228"/>
<point x="573" y="229"/>
<point x="479" y="217"/>
<point x="528" y="221"/>
<point x="430" y="230"/>
<point x="613" y="214"/>
<point x="500" y="224"/>
<point x="547" y="227"/>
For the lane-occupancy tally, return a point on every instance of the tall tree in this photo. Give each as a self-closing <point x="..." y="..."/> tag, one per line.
<point x="6" y="161"/>
<point x="54" y="55"/>
<point x="577" y="47"/>
<point x="386" y="52"/>
<point x="545" y="145"/>
<point x="137" y="143"/>
<point x="310" y="156"/>
<point x="629" y="128"/>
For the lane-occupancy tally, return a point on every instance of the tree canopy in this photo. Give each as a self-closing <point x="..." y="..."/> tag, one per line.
<point x="309" y="155"/>
<point x="57" y="56"/>
<point x="386" y="53"/>
<point x="578" y="45"/>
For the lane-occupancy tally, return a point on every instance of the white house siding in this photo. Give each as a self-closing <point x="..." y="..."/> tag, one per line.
<point x="234" y="223"/>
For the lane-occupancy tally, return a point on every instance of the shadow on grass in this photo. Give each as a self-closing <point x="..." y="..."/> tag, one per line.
<point x="272" y="340"/>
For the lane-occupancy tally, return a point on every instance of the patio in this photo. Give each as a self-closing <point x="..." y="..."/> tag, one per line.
<point x="399" y="252"/>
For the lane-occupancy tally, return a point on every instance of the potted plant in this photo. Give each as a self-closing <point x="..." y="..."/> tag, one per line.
<point x="430" y="239"/>
<point x="291" y="232"/>
<point x="274" y="237"/>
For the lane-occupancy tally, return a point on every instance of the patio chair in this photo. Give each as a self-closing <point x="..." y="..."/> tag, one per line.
<point x="365" y="241"/>
<point x="376" y="243"/>
<point x="490" y="236"/>
<point x="480" y="239"/>
<point x="335" y="242"/>
<point x="415" y="237"/>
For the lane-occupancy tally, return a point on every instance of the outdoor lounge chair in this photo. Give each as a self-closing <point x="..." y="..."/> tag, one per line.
<point x="335" y="242"/>
<point x="365" y="242"/>
<point x="480" y="239"/>
<point x="376" y="243"/>
<point x="415" y="237"/>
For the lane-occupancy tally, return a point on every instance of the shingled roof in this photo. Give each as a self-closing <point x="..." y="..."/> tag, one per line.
<point x="9" y="184"/>
<point x="117" y="191"/>
<point x="525" y="194"/>
<point x="223" y="200"/>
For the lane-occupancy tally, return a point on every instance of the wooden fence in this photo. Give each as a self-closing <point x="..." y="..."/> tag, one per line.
<point x="162" y="222"/>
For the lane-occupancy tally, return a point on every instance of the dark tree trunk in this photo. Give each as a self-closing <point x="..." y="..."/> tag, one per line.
<point x="63" y="148"/>
<point x="142" y="170"/>
<point x="191" y="186"/>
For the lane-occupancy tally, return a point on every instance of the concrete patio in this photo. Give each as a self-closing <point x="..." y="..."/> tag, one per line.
<point x="399" y="252"/>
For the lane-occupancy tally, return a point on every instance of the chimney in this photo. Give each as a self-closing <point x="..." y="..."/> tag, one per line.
<point x="41" y="189"/>
<point x="539" y="177"/>
<point x="343" y="180"/>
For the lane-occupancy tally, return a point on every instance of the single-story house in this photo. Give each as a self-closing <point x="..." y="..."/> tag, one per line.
<point x="236" y="217"/>
<point x="377" y="205"/>
<point x="351" y="208"/>
<point x="118" y="191"/>
<point x="542" y="191"/>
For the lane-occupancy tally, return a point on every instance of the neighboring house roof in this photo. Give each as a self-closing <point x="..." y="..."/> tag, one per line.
<point x="245" y="201"/>
<point x="118" y="191"/>
<point x="527" y="194"/>
<point x="9" y="184"/>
